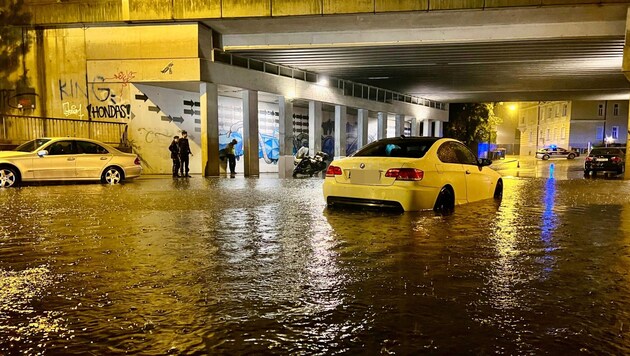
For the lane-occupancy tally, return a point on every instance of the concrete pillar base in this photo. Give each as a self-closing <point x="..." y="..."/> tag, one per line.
<point x="285" y="166"/>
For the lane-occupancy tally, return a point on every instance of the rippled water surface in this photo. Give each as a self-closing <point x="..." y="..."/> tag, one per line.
<point x="256" y="266"/>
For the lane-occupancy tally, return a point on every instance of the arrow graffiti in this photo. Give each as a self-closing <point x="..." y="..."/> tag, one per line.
<point x="191" y="103"/>
<point x="154" y="108"/>
<point x="192" y="112"/>
<point x="142" y="97"/>
<point x="169" y="118"/>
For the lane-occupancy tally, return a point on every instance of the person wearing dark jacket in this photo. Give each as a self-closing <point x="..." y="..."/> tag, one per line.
<point x="184" y="152"/>
<point x="230" y="153"/>
<point x="174" y="148"/>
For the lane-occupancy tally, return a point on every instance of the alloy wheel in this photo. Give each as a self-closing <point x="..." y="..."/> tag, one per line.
<point x="7" y="178"/>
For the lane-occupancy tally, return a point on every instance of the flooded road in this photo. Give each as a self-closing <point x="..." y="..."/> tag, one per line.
<point x="260" y="266"/>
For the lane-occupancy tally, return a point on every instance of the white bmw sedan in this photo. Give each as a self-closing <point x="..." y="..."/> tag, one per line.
<point x="66" y="158"/>
<point x="411" y="173"/>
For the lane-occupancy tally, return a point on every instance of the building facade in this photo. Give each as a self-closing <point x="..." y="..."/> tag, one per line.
<point x="572" y="124"/>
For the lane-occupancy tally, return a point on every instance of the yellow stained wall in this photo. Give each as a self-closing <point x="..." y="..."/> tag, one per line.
<point x="111" y="11"/>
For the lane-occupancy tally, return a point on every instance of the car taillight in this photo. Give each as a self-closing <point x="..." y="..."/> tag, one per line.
<point x="405" y="174"/>
<point x="588" y="159"/>
<point x="137" y="161"/>
<point x="333" y="171"/>
<point x="616" y="159"/>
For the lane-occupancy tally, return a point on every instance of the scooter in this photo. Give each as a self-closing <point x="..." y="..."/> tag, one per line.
<point x="311" y="165"/>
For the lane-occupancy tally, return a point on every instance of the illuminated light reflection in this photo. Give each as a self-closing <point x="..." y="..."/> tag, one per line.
<point x="549" y="219"/>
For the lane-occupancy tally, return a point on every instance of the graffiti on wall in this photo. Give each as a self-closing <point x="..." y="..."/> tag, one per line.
<point x="73" y="110"/>
<point x="104" y="101"/>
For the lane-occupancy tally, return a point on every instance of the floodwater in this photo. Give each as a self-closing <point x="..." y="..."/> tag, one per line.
<point x="260" y="266"/>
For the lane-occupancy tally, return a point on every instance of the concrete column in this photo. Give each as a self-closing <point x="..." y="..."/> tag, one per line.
<point x="250" y="133"/>
<point x="439" y="129"/>
<point x="414" y="127"/>
<point x="341" y="119"/>
<point x="400" y="125"/>
<point x="381" y="128"/>
<point x="285" y="163"/>
<point x="362" y="129"/>
<point x="314" y="127"/>
<point x="426" y="128"/>
<point x="209" y="105"/>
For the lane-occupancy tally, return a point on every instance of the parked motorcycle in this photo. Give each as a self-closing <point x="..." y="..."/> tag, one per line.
<point x="311" y="165"/>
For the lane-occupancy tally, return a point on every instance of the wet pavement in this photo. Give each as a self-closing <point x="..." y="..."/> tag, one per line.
<point x="260" y="266"/>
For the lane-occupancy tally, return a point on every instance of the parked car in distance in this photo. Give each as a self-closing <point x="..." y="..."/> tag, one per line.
<point x="66" y="158"/>
<point x="411" y="173"/>
<point x="556" y="152"/>
<point x="605" y="159"/>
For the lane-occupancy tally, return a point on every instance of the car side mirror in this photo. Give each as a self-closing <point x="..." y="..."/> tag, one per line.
<point x="42" y="153"/>
<point x="482" y="162"/>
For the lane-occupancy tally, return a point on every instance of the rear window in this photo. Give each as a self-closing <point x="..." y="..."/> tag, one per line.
<point x="31" y="146"/>
<point x="606" y="151"/>
<point x="399" y="148"/>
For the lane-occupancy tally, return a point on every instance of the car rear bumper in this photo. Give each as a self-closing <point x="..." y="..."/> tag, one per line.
<point x="603" y="166"/>
<point x="406" y="195"/>
<point x="133" y="171"/>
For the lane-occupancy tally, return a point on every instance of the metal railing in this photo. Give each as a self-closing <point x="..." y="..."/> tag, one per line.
<point x="17" y="129"/>
<point x="346" y="87"/>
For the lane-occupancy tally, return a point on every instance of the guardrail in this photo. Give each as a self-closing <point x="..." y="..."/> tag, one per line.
<point x="17" y="129"/>
<point x="347" y="87"/>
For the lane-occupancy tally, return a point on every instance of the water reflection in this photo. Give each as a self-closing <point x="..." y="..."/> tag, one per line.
<point x="260" y="266"/>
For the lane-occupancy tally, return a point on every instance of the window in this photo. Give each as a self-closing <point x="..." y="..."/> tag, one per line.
<point x="564" y="110"/>
<point x="548" y="134"/>
<point x="562" y="133"/>
<point x="531" y="136"/>
<point x="600" y="110"/>
<point x="410" y="148"/>
<point x="60" y="148"/>
<point x="523" y="120"/>
<point x="90" y="148"/>
<point x="550" y="113"/>
<point x="455" y="152"/>
<point x="555" y="134"/>
<point x="557" y="110"/>
<point x="616" y="110"/>
<point x="615" y="132"/>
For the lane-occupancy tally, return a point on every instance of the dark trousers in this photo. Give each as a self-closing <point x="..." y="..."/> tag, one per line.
<point x="175" y="166"/>
<point x="184" y="165"/>
<point x="232" y="162"/>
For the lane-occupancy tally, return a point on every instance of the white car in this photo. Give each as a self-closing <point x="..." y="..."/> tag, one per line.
<point x="411" y="173"/>
<point x="66" y="158"/>
<point x="556" y="152"/>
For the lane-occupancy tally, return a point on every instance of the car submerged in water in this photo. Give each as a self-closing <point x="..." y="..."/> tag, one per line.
<point x="411" y="173"/>
<point x="605" y="159"/>
<point x="66" y="158"/>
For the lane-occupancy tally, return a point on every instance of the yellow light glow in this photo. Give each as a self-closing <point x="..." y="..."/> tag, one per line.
<point x="512" y="107"/>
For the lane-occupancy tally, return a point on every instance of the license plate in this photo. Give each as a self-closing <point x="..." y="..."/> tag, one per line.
<point x="364" y="177"/>
<point x="602" y="160"/>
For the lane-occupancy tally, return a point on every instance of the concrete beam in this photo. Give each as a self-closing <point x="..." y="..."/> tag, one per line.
<point x="504" y="24"/>
<point x="400" y="125"/>
<point x="249" y="79"/>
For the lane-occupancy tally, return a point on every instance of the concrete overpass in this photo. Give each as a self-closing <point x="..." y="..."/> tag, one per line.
<point x="445" y="50"/>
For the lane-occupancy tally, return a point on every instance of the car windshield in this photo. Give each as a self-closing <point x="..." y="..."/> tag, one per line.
<point x="406" y="148"/>
<point x="31" y="146"/>
<point x="606" y="151"/>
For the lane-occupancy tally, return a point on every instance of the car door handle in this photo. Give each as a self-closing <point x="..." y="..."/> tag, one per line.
<point x="103" y="158"/>
<point x="467" y="172"/>
<point x="71" y="158"/>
